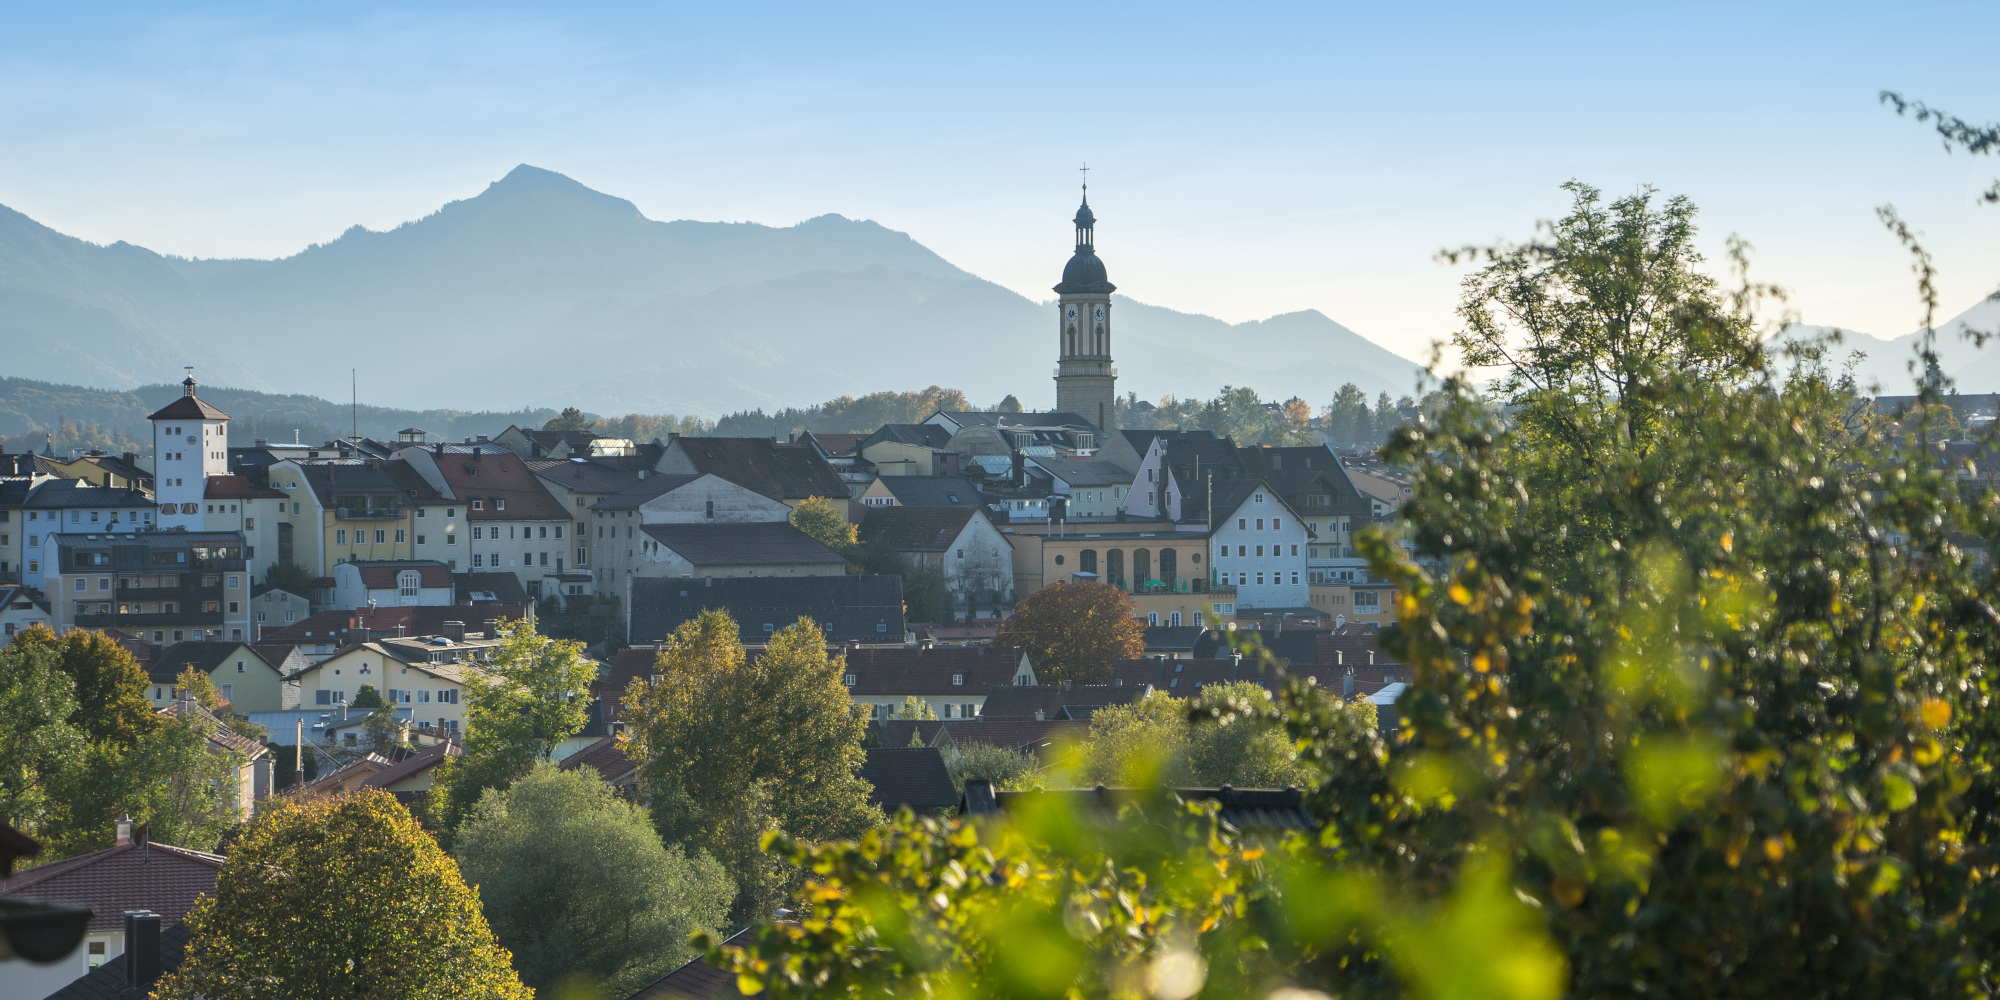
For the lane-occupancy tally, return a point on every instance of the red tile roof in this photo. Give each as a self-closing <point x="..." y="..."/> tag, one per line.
<point x="167" y="880"/>
<point x="499" y="486"/>
<point x="423" y="760"/>
<point x="605" y="756"/>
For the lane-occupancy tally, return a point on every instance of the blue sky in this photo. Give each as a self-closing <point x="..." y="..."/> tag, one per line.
<point x="1246" y="159"/>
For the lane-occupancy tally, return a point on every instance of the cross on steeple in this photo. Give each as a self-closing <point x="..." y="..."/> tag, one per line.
<point x="1086" y="181"/>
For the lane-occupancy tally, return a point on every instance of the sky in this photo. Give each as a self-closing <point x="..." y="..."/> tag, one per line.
<point x="1245" y="159"/>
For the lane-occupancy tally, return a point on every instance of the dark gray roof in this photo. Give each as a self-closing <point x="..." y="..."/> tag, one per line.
<point x="932" y="491"/>
<point x="1055" y="701"/>
<point x="908" y="776"/>
<point x="1085" y="471"/>
<point x="912" y="670"/>
<point x="921" y="435"/>
<point x="758" y="544"/>
<point x="916" y="529"/>
<point x="578" y="476"/>
<point x="639" y="492"/>
<point x="506" y="588"/>
<point x="331" y="479"/>
<point x="698" y="980"/>
<point x="203" y="656"/>
<point x="107" y="981"/>
<point x="761" y="465"/>
<point x="1175" y="638"/>
<point x="995" y="418"/>
<point x="66" y="493"/>
<point x="847" y="608"/>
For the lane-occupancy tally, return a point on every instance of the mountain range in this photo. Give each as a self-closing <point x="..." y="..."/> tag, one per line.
<point x="542" y="292"/>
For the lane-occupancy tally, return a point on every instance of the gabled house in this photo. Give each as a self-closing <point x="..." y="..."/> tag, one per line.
<point x="954" y="681"/>
<point x="577" y="483"/>
<point x="920" y="491"/>
<point x="546" y="444"/>
<point x="977" y="561"/>
<point x="908" y="777"/>
<point x="272" y="609"/>
<point x="21" y="608"/>
<point x="516" y="524"/>
<point x="608" y="759"/>
<point x="910" y="450"/>
<point x="789" y="473"/>
<point x="619" y="549"/>
<point x="422" y="678"/>
<point x="240" y="672"/>
<point x="132" y="874"/>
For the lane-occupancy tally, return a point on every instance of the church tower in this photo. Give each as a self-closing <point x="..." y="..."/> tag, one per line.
<point x="190" y="444"/>
<point x="1086" y="384"/>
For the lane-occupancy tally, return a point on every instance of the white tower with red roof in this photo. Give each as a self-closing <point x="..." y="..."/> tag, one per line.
<point x="190" y="444"/>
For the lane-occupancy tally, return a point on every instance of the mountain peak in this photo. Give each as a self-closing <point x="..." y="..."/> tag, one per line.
<point x="526" y="179"/>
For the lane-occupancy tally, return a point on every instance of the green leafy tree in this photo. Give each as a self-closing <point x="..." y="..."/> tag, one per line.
<point x="291" y="578"/>
<point x="570" y="419"/>
<point x="1011" y="404"/>
<point x="916" y="708"/>
<point x="576" y="883"/>
<point x="1074" y="631"/>
<point x="824" y="523"/>
<point x="110" y="686"/>
<point x="37" y="741"/>
<point x="1005" y="767"/>
<point x="367" y="697"/>
<point x="518" y="709"/>
<point x="1699" y="710"/>
<point x="730" y="747"/>
<point x="1158" y="741"/>
<point x="1348" y="419"/>
<point x="340" y="897"/>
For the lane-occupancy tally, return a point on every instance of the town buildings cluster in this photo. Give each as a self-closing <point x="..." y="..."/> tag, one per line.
<point x="295" y="576"/>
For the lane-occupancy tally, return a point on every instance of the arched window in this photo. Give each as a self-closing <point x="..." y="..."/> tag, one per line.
<point x="1114" y="567"/>
<point x="1142" y="568"/>
<point x="407" y="583"/>
<point x="1152" y="618"/>
<point x="1086" y="561"/>
<point x="1169" y="567"/>
<point x="1174" y="619"/>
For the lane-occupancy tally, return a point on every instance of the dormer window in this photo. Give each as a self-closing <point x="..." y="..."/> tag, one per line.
<point x="958" y="680"/>
<point x="478" y="505"/>
<point x="499" y="503"/>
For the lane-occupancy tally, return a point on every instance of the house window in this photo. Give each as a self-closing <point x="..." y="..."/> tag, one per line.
<point x="848" y="680"/>
<point x="1197" y="619"/>
<point x="420" y="538"/>
<point x="340" y="536"/>
<point x="449" y="538"/>
<point x="321" y="697"/>
<point x="1174" y="618"/>
<point x="967" y="710"/>
<point x="958" y="680"/>
<point x="421" y="511"/>
<point x="711" y="509"/>
<point x="407" y="582"/>
<point x="399" y="536"/>
<point x="381" y="536"/>
<point x="1152" y="618"/>
<point x="1367" y="602"/>
<point x="479" y="533"/>
<point x="499" y="503"/>
<point x="478" y="560"/>
<point x="478" y="505"/>
<point x="1242" y="524"/>
<point x="1260" y="498"/>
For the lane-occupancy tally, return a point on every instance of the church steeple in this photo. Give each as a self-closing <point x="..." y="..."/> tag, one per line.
<point x="1086" y="384"/>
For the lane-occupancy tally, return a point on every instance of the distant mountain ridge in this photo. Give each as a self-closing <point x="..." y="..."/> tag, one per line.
<point x="540" y="291"/>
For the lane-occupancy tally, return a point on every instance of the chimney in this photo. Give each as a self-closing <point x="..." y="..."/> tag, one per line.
<point x="142" y="949"/>
<point x="453" y="630"/>
<point x="124" y="829"/>
<point x="361" y="635"/>
<point x="1347" y="684"/>
<point x="492" y="628"/>
<point x="1041" y="716"/>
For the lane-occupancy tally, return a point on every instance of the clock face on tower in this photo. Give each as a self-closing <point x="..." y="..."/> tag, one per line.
<point x="1100" y="314"/>
<point x="1070" y="314"/>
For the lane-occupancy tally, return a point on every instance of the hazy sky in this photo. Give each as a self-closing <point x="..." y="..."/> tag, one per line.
<point x="1245" y="159"/>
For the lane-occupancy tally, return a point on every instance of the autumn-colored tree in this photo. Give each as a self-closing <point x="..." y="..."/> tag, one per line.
<point x="518" y="709"/>
<point x="110" y="686"/>
<point x="824" y="523"/>
<point x="1074" y="631"/>
<point x="341" y="896"/>
<point x="730" y="747"/>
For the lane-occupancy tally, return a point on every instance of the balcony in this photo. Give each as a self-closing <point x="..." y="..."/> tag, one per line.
<point x="179" y="619"/>
<point x="184" y="595"/>
<point x="368" y="513"/>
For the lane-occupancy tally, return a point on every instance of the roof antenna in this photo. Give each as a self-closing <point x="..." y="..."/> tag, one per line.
<point x="354" y="401"/>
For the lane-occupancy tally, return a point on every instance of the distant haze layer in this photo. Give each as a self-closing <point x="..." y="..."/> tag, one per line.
<point x="542" y="292"/>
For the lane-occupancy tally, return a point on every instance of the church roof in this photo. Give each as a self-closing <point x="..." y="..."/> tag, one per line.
<point x="1085" y="273"/>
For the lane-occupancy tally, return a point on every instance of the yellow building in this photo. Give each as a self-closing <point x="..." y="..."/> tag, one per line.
<point x="348" y="510"/>
<point x="101" y="469"/>
<point x="244" y="676"/>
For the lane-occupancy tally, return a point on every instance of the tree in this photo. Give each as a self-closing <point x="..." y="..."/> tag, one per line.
<point x="37" y="741"/>
<point x="1074" y="631"/>
<point x="729" y="747"/>
<point x="518" y="709"/>
<point x="1156" y="741"/>
<point x="926" y="594"/>
<point x="576" y="883"/>
<point x="367" y="697"/>
<point x="1005" y="767"/>
<point x="820" y="520"/>
<point x="916" y="708"/>
<point x="1011" y="404"/>
<point x="1700" y="707"/>
<point x="570" y="419"/>
<point x="109" y="685"/>
<point x="291" y="578"/>
<point x="1347" y="418"/>
<point x="340" y="896"/>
